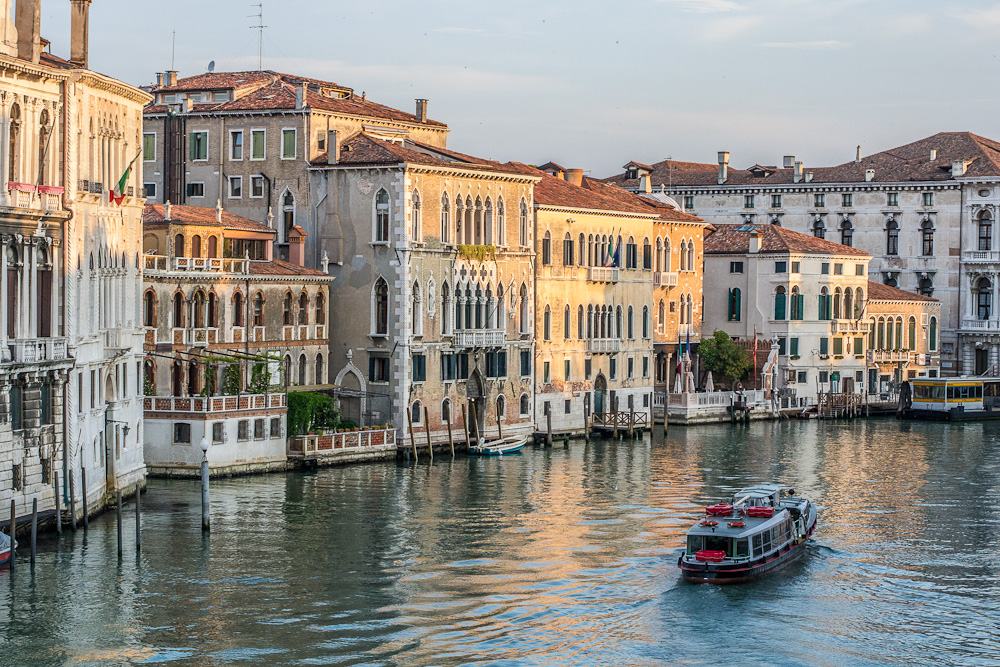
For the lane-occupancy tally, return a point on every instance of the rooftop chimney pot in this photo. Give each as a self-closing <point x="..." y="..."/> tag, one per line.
<point x="300" y="96"/>
<point x="857" y="155"/>
<point x="159" y="78"/>
<point x="171" y="77"/>
<point x="869" y="175"/>
<point x="958" y="168"/>
<point x="933" y="154"/>
<point x="79" y="32"/>
<point x="797" y="174"/>
<point x="332" y="147"/>
<point x="723" y="166"/>
<point x="28" y="22"/>
<point x="422" y="110"/>
<point x="574" y="176"/>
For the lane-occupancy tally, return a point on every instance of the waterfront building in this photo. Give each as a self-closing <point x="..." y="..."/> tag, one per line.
<point x="71" y="349"/>
<point x="603" y="279"/>
<point x="433" y="255"/>
<point x="926" y="213"/>
<point x="227" y="330"/>
<point x="247" y="138"/>
<point x="903" y="330"/>
<point x="805" y="293"/>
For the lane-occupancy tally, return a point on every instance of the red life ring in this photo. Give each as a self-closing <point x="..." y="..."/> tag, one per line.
<point x="737" y="524"/>
<point x="709" y="522"/>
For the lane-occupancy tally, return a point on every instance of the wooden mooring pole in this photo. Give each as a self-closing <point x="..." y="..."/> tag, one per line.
<point x="465" y="427"/>
<point x="631" y="422"/>
<point x="413" y="443"/>
<point x="34" y="528"/>
<point x="475" y="421"/>
<point x="427" y="432"/>
<point x="548" y="425"/>
<point x="13" y="532"/>
<point x="83" y="497"/>
<point x="499" y="426"/>
<point x="118" y="512"/>
<point x="138" y="519"/>
<point x="72" y="502"/>
<point x="451" y="440"/>
<point x="586" y="421"/>
<point x="55" y="488"/>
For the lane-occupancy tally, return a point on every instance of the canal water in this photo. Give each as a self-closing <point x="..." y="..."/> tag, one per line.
<point x="561" y="556"/>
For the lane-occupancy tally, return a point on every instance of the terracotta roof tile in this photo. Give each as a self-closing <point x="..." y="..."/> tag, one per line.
<point x="880" y="292"/>
<point x="201" y="215"/>
<point x="278" y="267"/>
<point x="910" y="162"/>
<point x="735" y="239"/>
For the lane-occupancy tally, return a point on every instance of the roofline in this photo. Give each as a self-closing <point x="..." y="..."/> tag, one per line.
<point x="596" y="211"/>
<point x="409" y="166"/>
<point x="306" y="108"/>
<point x="861" y="185"/>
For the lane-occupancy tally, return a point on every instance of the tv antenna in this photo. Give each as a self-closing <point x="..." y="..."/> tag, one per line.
<point x="260" y="33"/>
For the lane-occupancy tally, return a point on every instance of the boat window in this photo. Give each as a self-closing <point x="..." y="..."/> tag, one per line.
<point x="757" y="548"/>
<point x="719" y="543"/>
<point x="742" y="547"/>
<point x="767" y="541"/>
<point x="694" y="544"/>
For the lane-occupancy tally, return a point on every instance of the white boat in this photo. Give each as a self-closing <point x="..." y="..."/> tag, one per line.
<point x="499" y="446"/>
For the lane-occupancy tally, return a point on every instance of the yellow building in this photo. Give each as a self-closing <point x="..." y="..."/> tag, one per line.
<point x="903" y="337"/>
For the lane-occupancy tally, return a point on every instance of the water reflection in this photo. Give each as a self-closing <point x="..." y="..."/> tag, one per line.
<point x="555" y="556"/>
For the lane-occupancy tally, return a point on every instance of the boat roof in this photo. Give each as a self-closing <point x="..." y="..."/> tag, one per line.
<point x="966" y="379"/>
<point x="759" y="490"/>
<point x="753" y="525"/>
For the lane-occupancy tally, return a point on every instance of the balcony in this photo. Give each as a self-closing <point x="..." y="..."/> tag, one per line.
<point x="162" y="264"/>
<point x="888" y="356"/>
<point x="480" y="338"/>
<point x="26" y="195"/>
<point x="37" y="350"/>
<point x="201" y="337"/>
<point x="114" y="339"/>
<point x="976" y="324"/>
<point x="602" y="274"/>
<point x="603" y="345"/>
<point x="981" y="256"/>
<point x="849" y="327"/>
<point x="664" y="279"/>
<point x="212" y="404"/>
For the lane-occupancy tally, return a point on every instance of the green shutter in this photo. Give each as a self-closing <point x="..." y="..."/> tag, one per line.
<point x="288" y="143"/>
<point x="779" y="306"/>
<point x="824" y="346"/>
<point x="192" y="147"/>
<point x="793" y="347"/>
<point x="802" y="306"/>
<point x="838" y="345"/>
<point x="859" y="345"/>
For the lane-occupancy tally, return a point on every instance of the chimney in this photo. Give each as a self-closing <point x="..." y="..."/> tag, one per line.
<point x="297" y="246"/>
<point x="574" y="176"/>
<point x="958" y="168"/>
<point x="332" y="147"/>
<point x="422" y="110"/>
<point x="933" y="154"/>
<point x="171" y="77"/>
<point x="300" y="95"/>
<point x="755" y="241"/>
<point x="857" y="156"/>
<point x="869" y="175"/>
<point x="809" y="177"/>
<point x="218" y="210"/>
<point x="166" y="210"/>
<point x="28" y="21"/>
<point x="159" y="78"/>
<point x="79" y="32"/>
<point x="797" y="174"/>
<point x="187" y="105"/>
<point x="723" y="166"/>
<point x="788" y="161"/>
<point x="645" y="183"/>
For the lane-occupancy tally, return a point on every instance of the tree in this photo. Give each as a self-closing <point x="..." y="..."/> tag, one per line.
<point x="723" y="357"/>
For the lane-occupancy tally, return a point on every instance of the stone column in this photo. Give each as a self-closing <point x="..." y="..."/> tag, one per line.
<point x="968" y="359"/>
<point x="3" y="298"/>
<point x="994" y="357"/>
<point x="31" y="305"/>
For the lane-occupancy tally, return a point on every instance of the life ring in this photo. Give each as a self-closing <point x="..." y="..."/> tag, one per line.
<point x="709" y="522"/>
<point x="737" y="524"/>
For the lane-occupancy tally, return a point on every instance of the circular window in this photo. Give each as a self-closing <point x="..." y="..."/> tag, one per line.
<point x="984" y="192"/>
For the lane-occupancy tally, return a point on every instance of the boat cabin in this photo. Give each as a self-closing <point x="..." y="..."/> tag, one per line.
<point x="956" y="395"/>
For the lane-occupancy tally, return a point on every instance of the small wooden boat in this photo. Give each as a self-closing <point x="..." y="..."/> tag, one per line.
<point x="5" y="551"/>
<point x="763" y="529"/>
<point x="499" y="446"/>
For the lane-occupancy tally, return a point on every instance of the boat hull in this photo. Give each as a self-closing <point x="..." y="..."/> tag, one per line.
<point x="510" y="446"/>
<point x="4" y="559"/>
<point x="739" y="573"/>
<point x="951" y="415"/>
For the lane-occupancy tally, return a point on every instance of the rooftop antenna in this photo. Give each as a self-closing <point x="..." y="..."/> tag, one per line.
<point x="211" y="66"/>
<point x="260" y="34"/>
<point x="173" y="49"/>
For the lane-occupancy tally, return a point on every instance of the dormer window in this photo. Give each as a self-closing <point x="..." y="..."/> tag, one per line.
<point x="221" y="97"/>
<point x="632" y="173"/>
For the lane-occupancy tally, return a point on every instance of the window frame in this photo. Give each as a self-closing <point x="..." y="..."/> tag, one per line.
<point x="263" y="132"/>
<point x="242" y="136"/>
<point x="191" y="136"/>
<point x="295" y="143"/>
<point x="144" y="136"/>
<point x="256" y="178"/>
<point x="238" y="181"/>
<point x="188" y="189"/>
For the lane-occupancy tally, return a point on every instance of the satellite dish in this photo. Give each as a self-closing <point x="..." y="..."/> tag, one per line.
<point x="211" y="66"/>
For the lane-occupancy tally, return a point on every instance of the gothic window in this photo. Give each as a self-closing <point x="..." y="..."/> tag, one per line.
<point x="288" y="212"/>
<point x="199" y="310"/>
<point x="797" y="304"/>
<point x="478" y="217"/>
<point x="381" y="232"/>
<point x="445" y="309"/>
<point x="523" y="224"/>
<point x="631" y="324"/>
<point x="303" y="308"/>
<point x="568" y="250"/>
<point x="932" y="335"/>
<point x="13" y="152"/>
<point x="501" y="407"/>
<point x="524" y="405"/>
<point x="416" y="233"/>
<point x="445" y="219"/>
<point x="661" y="316"/>
<point x="380" y="308"/>
<point x="645" y="322"/>
<point x="567" y="329"/>
<point x="237" y="310"/>
<point x="547" y="324"/>
<point x="631" y="254"/>
<point x="523" y="305"/>
<point x="319" y="369"/>
<point x="258" y="310"/>
<point x="911" y="334"/>
<point x="286" y="310"/>
<point x="847" y="233"/>
<point x="178" y="311"/>
<point x="837" y="299"/>
<point x="849" y="303"/>
<point x="446" y="410"/>
<point x="501" y="227"/>
<point x="302" y="369"/>
<point x="547" y="249"/>
<point x="580" y="325"/>
<point x="488" y="223"/>
<point x="618" y="322"/>
<point x="149" y="309"/>
<point x="213" y="310"/>
<point x="320" y="308"/>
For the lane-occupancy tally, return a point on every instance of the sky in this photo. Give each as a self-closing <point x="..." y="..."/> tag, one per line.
<point x="593" y="85"/>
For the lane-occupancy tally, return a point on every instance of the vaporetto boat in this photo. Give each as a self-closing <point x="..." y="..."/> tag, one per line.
<point x="761" y="530"/>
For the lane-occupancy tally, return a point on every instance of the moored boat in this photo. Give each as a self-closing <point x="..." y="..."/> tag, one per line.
<point x="5" y="551"/>
<point x="761" y="530"/>
<point x="499" y="446"/>
<point x="950" y="399"/>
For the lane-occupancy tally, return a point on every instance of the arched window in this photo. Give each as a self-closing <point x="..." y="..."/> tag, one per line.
<point x="859" y="303"/>
<point x="213" y="246"/>
<point x="927" y="238"/>
<point x="501" y="226"/>
<point x="13" y="146"/>
<point x="591" y="328"/>
<point x="661" y="316"/>
<point x="478" y="238"/>
<point x="446" y="410"/>
<point x="683" y="255"/>
<point x="881" y="334"/>
<point x="690" y="262"/>
<point x="667" y="263"/>
<point x="631" y="324"/>
<point x="149" y="378"/>
<point x="892" y="237"/>
<point x="568" y="250"/>
<point x="213" y="310"/>
<point x="658" y="264"/>
<point x="381" y="230"/>
<point x="645" y="321"/>
<point x="523" y="224"/>
<point x="824" y="304"/>
<point x="470" y="226"/>
<point x="872" y="328"/>
<point x="985" y="231"/>
<point x="523" y="307"/>
<point x="380" y="308"/>
<point x="618" y="322"/>
<point x="525" y="407"/>
<point x="445" y="309"/>
<point x="735" y="304"/>
<point x="926" y="285"/>
<point x="779" y="303"/>
<point x="488" y="223"/>
<point x="416" y="413"/>
<point x="984" y="298"/>
<point x="286" y="310"/>
<point x="547" y="249"/>
<point x="819" y="228"/>
<point x="501" y="407"/>
<point x="581" y="327"/>
<point x="288" y="212"/>
<point x="848" y="303"/>
<point x="179" y="245"/>
<point x="258" y="310"/>
<point x="567" y="330"/>
<point x="797" y="304"/>
<point x="149" y="308"/>
<point x="459" y="210"/>
<point x="932" y="335"/>
<point x="199" y="310"/>
<point x="320" y="370"/>
<point x="237" y="310"/>
<point x="178" y="311"/>
<point x="847" y="233"/>
<point x="547" y="324"/>
<point x="416" y="233"/>
<point x="196" y="246"/>
<point x="303" y="308"/>
<point x="899" y="333"/>
<point x="302" y="370"/>
<point x="631" y="254"/>
<point x="445" y="219"/>
<point x="837" y="299"/>
<point x="320" y="308"/>
<point x="581" y="251"/>
<point x="889" y="326"/>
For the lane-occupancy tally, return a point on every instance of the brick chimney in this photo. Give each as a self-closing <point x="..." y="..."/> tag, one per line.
<point x="755" y="241"/>
<point x="723" y="167"/>
<point x="422" y="110"/>
<point x="645" y="182"/>
<point x="79" y="32"/>
<point x="171" y="77"/>
<point x="297" y="245"/>
<point x="28" y="21"/>
<point x="797" y="173"/>
<point x="332" y="147"/>
<point x="300" y="95"/>
<point x="574" y="176"/>
<point x="159" y="78"/>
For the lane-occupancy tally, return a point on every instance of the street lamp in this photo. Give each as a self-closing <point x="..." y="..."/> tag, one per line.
<point x="204" y="483"/>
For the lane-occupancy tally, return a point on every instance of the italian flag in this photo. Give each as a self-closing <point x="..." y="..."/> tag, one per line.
<point x="117" y="194"/>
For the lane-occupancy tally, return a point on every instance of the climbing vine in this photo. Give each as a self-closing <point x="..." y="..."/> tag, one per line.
<point x="479" y="253"/>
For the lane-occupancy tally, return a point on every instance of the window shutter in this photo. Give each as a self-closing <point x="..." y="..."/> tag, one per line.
<point x="779" y="307"/>
<point x="824" y="345"/>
